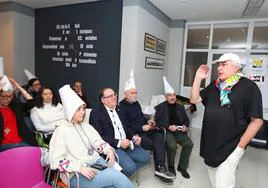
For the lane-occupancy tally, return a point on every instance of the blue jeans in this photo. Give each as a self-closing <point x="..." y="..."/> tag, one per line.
<point x="108" y="177"/>
<point x="131" y="160"/>
<point x="4" y="147"/>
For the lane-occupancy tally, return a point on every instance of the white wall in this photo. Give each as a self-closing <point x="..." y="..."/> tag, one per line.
<point x="137" y="22"/>
<point x="174" y="66"/>
<point x="6" y="41"/>
<point x="128" y="44"/>
<point x="23" y="45"/>
<point x="17" y="44"/>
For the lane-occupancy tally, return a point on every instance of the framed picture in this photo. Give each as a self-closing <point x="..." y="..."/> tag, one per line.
<point x="153" y="63"/>
<point x="161" y="47"/>
<point x="150" y="43"/>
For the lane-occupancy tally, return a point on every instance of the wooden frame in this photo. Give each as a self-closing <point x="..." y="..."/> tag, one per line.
<point x="161" y="47"/>
<point x="153" y="63"/>
<point x="150" y="43"/>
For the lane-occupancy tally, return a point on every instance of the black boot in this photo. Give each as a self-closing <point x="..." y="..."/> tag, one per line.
<point x="172" y="170"/>
<point x="183" y="172"/>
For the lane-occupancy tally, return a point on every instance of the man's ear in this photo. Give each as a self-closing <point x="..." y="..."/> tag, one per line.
<point x="102" y="100"/>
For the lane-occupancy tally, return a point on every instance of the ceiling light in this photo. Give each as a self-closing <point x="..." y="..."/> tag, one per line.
<point x="252" y="7"/>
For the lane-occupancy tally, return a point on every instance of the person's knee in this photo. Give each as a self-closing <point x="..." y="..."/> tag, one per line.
<point x="159" y="136"/>
<point x="146" y="158"/>
<point x="118" y="179"/>
<point x="129" y="168"/>
<point x="147" y="144"/>
<point x="189" y="144"/>
<point x="171" y="146"/>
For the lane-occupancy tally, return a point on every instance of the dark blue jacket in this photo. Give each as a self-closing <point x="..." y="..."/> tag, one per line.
<point x="100" y="120"/>
<point x="162" y="115"/>
<point x="134" y="115"/>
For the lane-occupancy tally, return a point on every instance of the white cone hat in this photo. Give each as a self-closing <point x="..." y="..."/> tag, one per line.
<point x="29" y="74"/>
<point x="6" y="84"/>
<point x="70" y="101"/>
<point x="168" y="88"/>
<point x="1" y="67"/>
<point x="131" y="82"/>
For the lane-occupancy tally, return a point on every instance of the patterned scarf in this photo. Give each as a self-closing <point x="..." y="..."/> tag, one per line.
<point x="226" y="86"/>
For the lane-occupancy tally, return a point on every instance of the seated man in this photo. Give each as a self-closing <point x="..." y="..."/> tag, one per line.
<point x="152" y="138"/>
<point x="33" y="88"/>
<point x="114" y="129"/>
<point x="13" y="131"/>
<point x="173" y="118"/>
<point x="78" y="89"/>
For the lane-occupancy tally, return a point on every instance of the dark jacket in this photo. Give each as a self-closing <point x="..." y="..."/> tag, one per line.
<point x="84" y="98"/>
<point x="162" y="115"/>
<point x="100" y="120"/>
<point x="134" y="115"/>
<point x="24" y="132"/>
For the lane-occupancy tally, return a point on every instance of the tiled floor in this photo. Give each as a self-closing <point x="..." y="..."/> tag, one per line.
<point x="252" y="171"/>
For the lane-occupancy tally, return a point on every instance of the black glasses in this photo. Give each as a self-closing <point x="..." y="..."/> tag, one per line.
<point x="7" y="96"/>
<point x="110" y="96"/>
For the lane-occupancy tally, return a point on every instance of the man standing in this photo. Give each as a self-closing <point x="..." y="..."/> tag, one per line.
<point x="13" y="131"/>
<point x="233" y="115"/>
<point x="152" y="138"/>
<point x="172" y="117"/>
<point x="113" y="127"/>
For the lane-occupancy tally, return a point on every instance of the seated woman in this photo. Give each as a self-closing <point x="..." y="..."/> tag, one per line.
<point x="47" y="113"/>
<point x="75" y="147"/>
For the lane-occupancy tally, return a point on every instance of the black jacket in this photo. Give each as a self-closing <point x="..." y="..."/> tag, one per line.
<point x="134" y="115"/>
<point x="162" y="115"/>
<point x="100" y="120"/>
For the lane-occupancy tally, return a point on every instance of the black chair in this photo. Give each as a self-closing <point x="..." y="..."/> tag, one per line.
<point x="261" y="138"/>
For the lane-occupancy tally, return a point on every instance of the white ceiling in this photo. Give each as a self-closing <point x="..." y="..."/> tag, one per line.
<point x="190" y="10"/>
<point x="204" y="10"/>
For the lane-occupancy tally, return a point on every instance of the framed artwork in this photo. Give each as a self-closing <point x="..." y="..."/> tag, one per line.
<point x="161" y="47"/>
<point x="153" y="63"/>
<point x="150" y="43"/>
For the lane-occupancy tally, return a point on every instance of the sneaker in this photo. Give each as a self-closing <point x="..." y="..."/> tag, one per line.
<point x="172" y="170"/>
<point x="164" y="180"/>
<point x="163" y="172"/>
<point x="184" y="173"/>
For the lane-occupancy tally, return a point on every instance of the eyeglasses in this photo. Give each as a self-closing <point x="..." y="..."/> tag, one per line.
<point x="7" y="96"/>
<point x="110" y="96"/>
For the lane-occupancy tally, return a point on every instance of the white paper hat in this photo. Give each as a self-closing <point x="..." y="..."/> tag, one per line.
<point x="168" y="88"/>
<point x="7" y="85"/>
<point x="1" y="67"/>
<point x="131" y="82"/>
<point x="29" y="74"/>
<point x="70" y="101"/>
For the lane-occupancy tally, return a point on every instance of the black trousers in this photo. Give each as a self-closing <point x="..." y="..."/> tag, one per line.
<point x="154" y="141"/>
